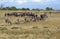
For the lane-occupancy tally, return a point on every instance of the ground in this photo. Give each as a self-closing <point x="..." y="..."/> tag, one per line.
<point x="44" y="29"/>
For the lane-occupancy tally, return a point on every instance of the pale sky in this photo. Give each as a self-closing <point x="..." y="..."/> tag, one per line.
<point x="42" y="4"/>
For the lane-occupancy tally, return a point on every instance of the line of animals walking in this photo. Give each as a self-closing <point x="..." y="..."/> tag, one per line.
<point x="34" y="17"/>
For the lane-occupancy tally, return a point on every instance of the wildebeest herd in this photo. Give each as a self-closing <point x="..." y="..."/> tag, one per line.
<point x="34" y="17"/>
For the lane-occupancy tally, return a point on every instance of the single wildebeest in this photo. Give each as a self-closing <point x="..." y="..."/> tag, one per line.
<point x="43" y="16"/>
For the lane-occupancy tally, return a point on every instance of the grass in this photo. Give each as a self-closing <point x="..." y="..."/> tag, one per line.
<point x="42" y="32"/>
<point x="48" y="29"/>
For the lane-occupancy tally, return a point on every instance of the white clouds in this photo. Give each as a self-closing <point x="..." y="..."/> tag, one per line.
<point x="25" y="1"/>
<point x="13" y="1"/>
<point x="21" y="1"/>
<point x="36" y="0"/>
<point x="43" y="0"/>
<point x="50" y="0"/>
<point x="3" y="1"/>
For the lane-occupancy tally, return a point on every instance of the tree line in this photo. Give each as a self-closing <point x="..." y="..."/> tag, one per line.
<point x="14" y="8"/>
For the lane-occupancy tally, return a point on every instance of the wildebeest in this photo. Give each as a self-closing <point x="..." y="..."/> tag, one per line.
<point x="12" y="14"/>
<point x="43" y="16"/>
<point x="20" y="14"/>
<point x="8" y="21"/>
<point x="34" y="17"/>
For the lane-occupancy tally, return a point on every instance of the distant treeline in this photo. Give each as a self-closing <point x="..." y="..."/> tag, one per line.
<point x="14" y="8"/>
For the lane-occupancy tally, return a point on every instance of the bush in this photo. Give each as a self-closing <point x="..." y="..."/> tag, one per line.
<point x="14" y="27"/>
<point x="3" y="28"/>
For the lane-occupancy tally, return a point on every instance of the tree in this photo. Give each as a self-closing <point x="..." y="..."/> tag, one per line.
<point x="36" y="9"/>
<point x="7" y="8"/>
<point x="25" y="9"/>
<point x="48" y="8"/>
<point x="13" y="8"/>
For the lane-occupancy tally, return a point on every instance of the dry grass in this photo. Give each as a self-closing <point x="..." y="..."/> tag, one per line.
<point x="49" y="29"/>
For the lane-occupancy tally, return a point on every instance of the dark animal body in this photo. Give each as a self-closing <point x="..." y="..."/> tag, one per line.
<point x="34" y="17"/>
<point x="43" y="16"/>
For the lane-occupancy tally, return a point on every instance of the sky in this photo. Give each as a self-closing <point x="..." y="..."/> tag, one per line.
<point x="41" y="4"/>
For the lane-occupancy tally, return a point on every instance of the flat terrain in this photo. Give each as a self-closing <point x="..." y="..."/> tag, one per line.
<point x="44" y="29"/>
